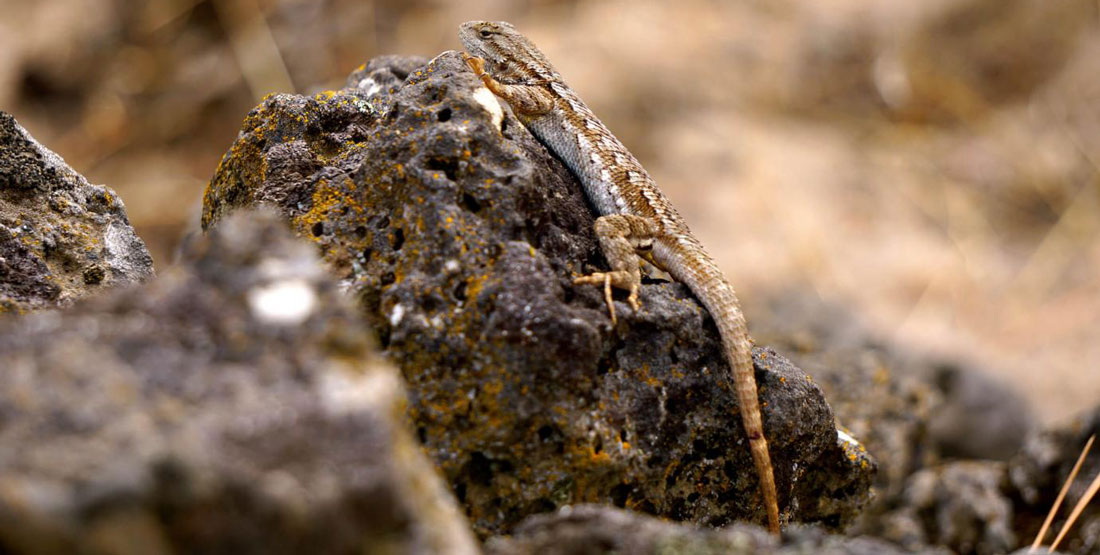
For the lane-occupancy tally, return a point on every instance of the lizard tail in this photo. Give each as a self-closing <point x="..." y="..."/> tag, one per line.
<point x="704" y="279"/>
<point x="739" y="353"/>
<point x="735" y="338"/>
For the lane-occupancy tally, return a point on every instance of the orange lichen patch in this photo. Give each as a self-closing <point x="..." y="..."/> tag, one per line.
<point x="854" y="450"/>
<point x="327" y="200"/>
<point x="492" y="388"/>
<point x="597" y="457"/>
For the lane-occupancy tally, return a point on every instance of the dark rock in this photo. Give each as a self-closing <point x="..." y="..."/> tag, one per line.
<point x="597" y="530"/>
<point x="911" y="411"/>
<point x="61" y="238"/>
<point x="234" y="405"/>
<point x="460" y="235"/>
<point x="941" y="431"/>
<point x="959" y="505"/>
<point x="1038" y="472"/>
<point x="979" y="417"/>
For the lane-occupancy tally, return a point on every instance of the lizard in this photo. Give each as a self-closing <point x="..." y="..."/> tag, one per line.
<point x="636" y="219"/>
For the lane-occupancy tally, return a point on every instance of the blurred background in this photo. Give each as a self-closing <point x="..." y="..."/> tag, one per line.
<point x="933" y="165"/>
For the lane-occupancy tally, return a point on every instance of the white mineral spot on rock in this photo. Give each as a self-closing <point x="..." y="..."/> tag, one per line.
<point x="397" y="314"/>
<point x="370" y="85"/>
<point x="285" y="302"/>
<point x="488" y="100"/>
<point x="343" y="392"/>
<point x="451" y="266"/>
<point x="845" y="437"/>
<point x="282" y="485"/>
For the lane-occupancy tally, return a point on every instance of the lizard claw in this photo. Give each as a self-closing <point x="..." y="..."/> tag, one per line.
<point x="477" y="65"/>
<point x="607" y="298"/>
<point x="605" y="278"/>
<point x="608" y="280"/>
<point x="633" y="299"/>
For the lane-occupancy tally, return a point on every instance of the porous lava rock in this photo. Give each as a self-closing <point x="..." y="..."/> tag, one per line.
<point x="233" y="405"/>
<point x="61" y="238"/>
<point x="460" y="235"/>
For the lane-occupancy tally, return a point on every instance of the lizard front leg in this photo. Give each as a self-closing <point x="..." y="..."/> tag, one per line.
<point x="529" y="99"/>
<point x="622" y="237"/>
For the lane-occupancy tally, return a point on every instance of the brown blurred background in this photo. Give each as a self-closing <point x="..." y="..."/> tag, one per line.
<point x="933" y="165"/>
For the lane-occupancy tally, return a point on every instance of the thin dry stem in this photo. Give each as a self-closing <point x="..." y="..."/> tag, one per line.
<point x="1080" y="506"/>
<point x="1061" y="495"/>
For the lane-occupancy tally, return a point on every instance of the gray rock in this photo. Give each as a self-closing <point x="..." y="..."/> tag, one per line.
<point x="234" y="405"/>
<point x="61" y="238"/>
<point x="959" y="505"/>
<point x="869" y="385"/>
<point x="459" y="234"/>
<point x="1038" y="472"/>
<point x="979" y="417"/>
<point x="597" y="530"/>
<point x="941" y="431"/>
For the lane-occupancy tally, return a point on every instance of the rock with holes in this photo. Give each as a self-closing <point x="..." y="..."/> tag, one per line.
<point x="234" y="405"/>
<point x="460" y="235"/>
<point x="61" y="238"/>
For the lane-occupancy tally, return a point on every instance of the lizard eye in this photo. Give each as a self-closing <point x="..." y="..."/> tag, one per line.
<point x="485" y="33"/>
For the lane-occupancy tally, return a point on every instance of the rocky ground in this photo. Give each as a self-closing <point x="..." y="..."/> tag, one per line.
<point x="433" y="381"/>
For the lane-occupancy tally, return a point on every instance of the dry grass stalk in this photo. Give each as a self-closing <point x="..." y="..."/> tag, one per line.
<point x="1061" y="496"/>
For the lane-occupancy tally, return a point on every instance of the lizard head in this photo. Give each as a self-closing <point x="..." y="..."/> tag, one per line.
<point x="509" y="56"/>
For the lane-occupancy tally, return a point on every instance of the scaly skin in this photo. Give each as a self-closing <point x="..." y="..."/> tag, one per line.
<point x="635" y="215"/>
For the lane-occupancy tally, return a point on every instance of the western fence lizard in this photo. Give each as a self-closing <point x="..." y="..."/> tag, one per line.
<point x="636" y="220"/>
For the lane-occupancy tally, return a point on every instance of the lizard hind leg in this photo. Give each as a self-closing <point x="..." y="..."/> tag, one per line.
<point x="621" y="237"/>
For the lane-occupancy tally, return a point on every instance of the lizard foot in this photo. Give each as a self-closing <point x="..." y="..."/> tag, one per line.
<point x="622" y="237"/>
<point x="605" y="279"/>
<point x="618" y="279"/>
